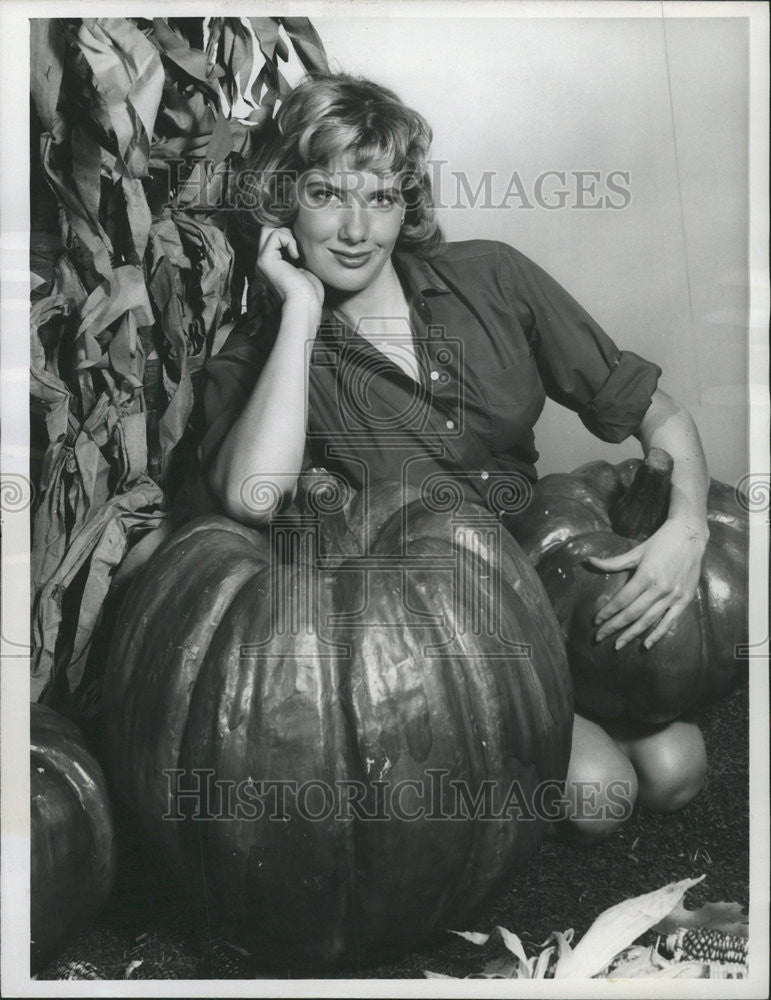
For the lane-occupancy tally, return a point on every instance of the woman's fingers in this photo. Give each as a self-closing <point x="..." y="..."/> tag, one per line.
<point x="642" y="620"/>
<point x="640" y="604"/>
<point x="666" y="572"/>
<point x="266" y="233"/>
<point x="272" y="240"/>
<point x="635" y="602"/>
<point x="278" y="261"/>
<point x="631" y="590"/>
<point x="665" y="624"/>
<point x="612" y="564"/>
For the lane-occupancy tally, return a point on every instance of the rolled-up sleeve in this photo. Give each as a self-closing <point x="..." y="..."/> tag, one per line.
<point x="619" y="406"/>
<point x="229" y="379"/>
<point x="579" y="364"/>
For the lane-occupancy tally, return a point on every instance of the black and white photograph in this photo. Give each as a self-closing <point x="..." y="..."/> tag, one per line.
<point x="385" y="498"/>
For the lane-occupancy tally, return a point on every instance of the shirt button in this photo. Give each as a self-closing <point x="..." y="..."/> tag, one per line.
<point x="450" y="424"/>
<point x="434" y="376"/>
<point x="484" y="475"/>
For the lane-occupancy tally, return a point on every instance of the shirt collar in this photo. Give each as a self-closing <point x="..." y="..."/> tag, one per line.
<point x="418" y="272"/>
<point x="418" y="275"/>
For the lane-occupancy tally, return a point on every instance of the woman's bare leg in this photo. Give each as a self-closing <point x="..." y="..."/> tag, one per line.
<point x="612" y="768"/>
<point x="670" y="761"/>
<point x="601" y="783"/>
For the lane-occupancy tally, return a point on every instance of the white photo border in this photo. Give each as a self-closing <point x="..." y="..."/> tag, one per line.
<point x="14" y="396"/>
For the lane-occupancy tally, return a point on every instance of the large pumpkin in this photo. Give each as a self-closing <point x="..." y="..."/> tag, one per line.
<point x="603" y="510"/>
<point x="367" y="682"/>
<point x="72" y="842"/>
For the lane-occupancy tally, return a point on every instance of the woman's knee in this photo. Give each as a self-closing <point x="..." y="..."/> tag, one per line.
<point x="671" y="765"/>
<point x="601" y="783"/>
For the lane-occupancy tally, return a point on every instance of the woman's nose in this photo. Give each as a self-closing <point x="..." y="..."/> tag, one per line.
<point x="354" y="224"/>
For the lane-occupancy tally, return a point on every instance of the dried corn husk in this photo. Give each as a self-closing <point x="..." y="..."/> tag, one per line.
<point x="618" y="927"/>
<point x="607" y="951"/>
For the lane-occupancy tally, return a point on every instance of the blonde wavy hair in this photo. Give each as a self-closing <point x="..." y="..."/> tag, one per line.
<point x="328" y="116"/>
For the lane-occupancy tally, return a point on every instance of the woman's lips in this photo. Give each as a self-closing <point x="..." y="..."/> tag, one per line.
<point x="352" y="259"/>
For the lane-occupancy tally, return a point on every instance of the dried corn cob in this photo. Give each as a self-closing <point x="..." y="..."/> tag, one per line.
<point x="707" y="945"/>
<point x="78" y="970"/>
<point x="722" y="970"/>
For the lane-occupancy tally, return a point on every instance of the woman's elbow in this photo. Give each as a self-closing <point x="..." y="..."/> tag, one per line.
<point x="240" y="512"/>
<point x="252" y="501"/>
<point x="663" y="410"/>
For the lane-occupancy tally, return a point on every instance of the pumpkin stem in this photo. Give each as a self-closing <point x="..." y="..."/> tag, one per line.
<point x="642" y="509"/>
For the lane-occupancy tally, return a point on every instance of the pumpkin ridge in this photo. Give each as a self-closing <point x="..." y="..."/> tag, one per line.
<point x="432" y="905"/>
<point x="161" y="685"/>
<point x="439" y="904"/>
<point x="133" y="611"/>
<point x="220" y="748"/>
<point x="210" y="523"/>
<point x="549" y="687"/>
<point x="506" y="698"/>
<point x="349" y="737"/>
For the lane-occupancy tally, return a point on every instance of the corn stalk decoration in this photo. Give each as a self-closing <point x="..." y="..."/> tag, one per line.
<point x="137" y="275"/>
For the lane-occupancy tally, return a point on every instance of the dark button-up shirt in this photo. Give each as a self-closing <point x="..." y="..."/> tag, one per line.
<point x="493" y="333"/>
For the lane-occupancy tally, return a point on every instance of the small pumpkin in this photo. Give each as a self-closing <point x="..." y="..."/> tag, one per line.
<point x="72" y="839"/>
<point x="603" y="510"/>
<point x="358" y="671"/>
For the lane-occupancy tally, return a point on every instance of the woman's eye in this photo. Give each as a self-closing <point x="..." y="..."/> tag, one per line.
<point x="384" y="199"/>
<point x="321" y="196"/>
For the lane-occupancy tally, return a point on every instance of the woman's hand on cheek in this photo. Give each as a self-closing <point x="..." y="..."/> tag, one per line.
<point x="666" y="574"/>
<point x="295" y="284"/>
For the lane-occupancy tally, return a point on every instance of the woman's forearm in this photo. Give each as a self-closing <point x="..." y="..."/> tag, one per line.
<point x="261" y="457"/>
<point x="668" y="425"/>
<point x="666" y="566"/>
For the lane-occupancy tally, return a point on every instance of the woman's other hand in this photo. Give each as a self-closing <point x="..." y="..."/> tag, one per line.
<point x="295" y="284"/>
<point x="666" y="574"/>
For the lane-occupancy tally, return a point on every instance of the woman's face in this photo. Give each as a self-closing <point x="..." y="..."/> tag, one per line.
<point x="347" y="224"/>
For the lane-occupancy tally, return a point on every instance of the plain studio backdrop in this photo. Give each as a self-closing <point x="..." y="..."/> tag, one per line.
<point x="657" y="107"/>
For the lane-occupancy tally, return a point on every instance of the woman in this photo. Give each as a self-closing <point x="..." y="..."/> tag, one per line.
<point x="395" y="354"/>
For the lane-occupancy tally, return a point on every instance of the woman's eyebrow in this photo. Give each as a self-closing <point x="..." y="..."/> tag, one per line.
<point x="324" y="182"/>
<point x="353" y="185"/>
<point x="327" y="184"/>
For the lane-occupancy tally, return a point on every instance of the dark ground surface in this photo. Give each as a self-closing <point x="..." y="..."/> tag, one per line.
<point x="147" y="919"/>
